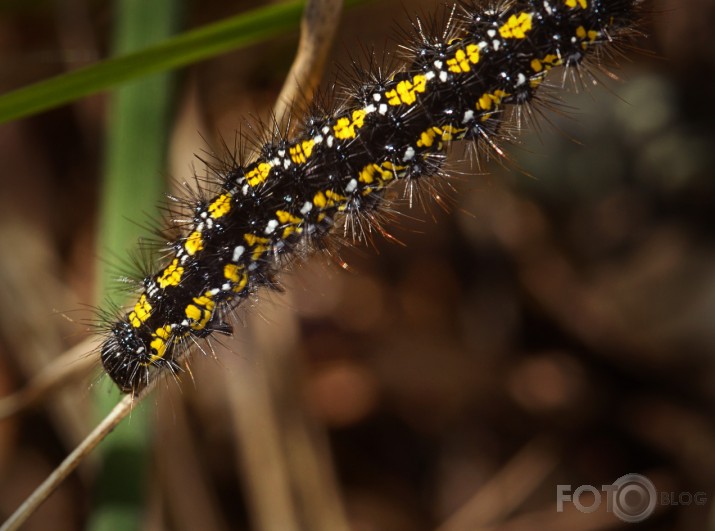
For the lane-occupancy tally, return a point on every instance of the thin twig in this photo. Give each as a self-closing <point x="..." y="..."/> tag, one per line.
<point x="317" y="31"/>
<point x="72" y="461"/>
<point x="62" y="371"/>
<point x="508" y="489"/>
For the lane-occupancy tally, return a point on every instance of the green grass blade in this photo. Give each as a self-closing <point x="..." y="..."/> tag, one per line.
<point x="139" y="116"/>
<point x="184" y="49"/>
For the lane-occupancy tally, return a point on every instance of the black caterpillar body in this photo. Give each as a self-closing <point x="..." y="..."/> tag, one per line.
<point x="457" y="86"/>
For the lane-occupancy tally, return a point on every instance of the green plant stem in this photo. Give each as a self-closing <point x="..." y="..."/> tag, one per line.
<point x="137" y="136"/>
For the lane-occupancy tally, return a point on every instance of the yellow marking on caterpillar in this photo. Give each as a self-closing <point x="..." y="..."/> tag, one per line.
<point x="260" y="245"/>
<point x="345" y="127"/>
<point x="171" y="276"/>
<point x="159" y="342"/>
<point x="367" y="174"/>
<point x="329" y="199"/>
<point x="449" y="132"/>
<point x="445" y="134"/>
<point x="427" y="137"/>
<point x="335" y="198"/>
<point x="406" y="91"/>
<point x="300" y="153"/>
<point x="517" y="26"/>
<point x="463" y="59"/>
<point x="194" y="243"/>
<point x="588" y="37"/>
<point x="546" y="63"/>
<point x="200" y="311"/>
<point x="583" y="4"/>
<point x="287" y="217"/>
<point x="236" y="274"/>
<point x="293" y="221"/>
<point x="488" y="100"/>
<point x="259" y="174"/>
<point x="319" y="200"/>
<point x="385" y="171"/>
<point x="142" y="312"/>
<point x="220" y="206"/>
<point x="230" y="271"/>
<point x="164" y="332"/>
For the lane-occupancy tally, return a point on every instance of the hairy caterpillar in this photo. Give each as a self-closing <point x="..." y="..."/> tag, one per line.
<point x="457" y="86"/>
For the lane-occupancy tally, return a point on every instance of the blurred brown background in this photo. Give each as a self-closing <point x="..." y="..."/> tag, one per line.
<point x="554" y="327"/>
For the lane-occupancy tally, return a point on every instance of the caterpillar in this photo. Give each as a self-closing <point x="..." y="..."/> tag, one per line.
<point x="458" y="83"/>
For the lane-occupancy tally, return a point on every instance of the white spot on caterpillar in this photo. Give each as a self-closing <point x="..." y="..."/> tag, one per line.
<point x="307" y="207"/>
<point x="237" y="252"/>
<point x="383" y="108"/>
<point x="226" y="287"/>
<point x="214" y="291"/>
<point x="429" y="76"/>
<point x="152" y="289"/>
<point x="352" y="185"/>
<point x="492" y="33"/>
<point x="370" y="108"/>
<point x="438" y="64"/>
<point x="286" y="163"/>
<point x="318" y="139"/>
<point x="282" y="153"/>
<point x="468" y="116"/>
<point x="330" y="141"/>
<point x="377" y="96"/>
<point x="443" y="77"/>
<point x="326" y="130"/>
<point x="496" y="44"/>
<point x="203" y="215"/>
<point x="271" y="227"/>
<point x="520" y="80"/>
<point x="245" y="189"/>
<point x="409" y="154"/>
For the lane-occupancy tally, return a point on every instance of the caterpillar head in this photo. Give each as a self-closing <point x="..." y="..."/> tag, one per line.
<point x="128" y="358"/>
